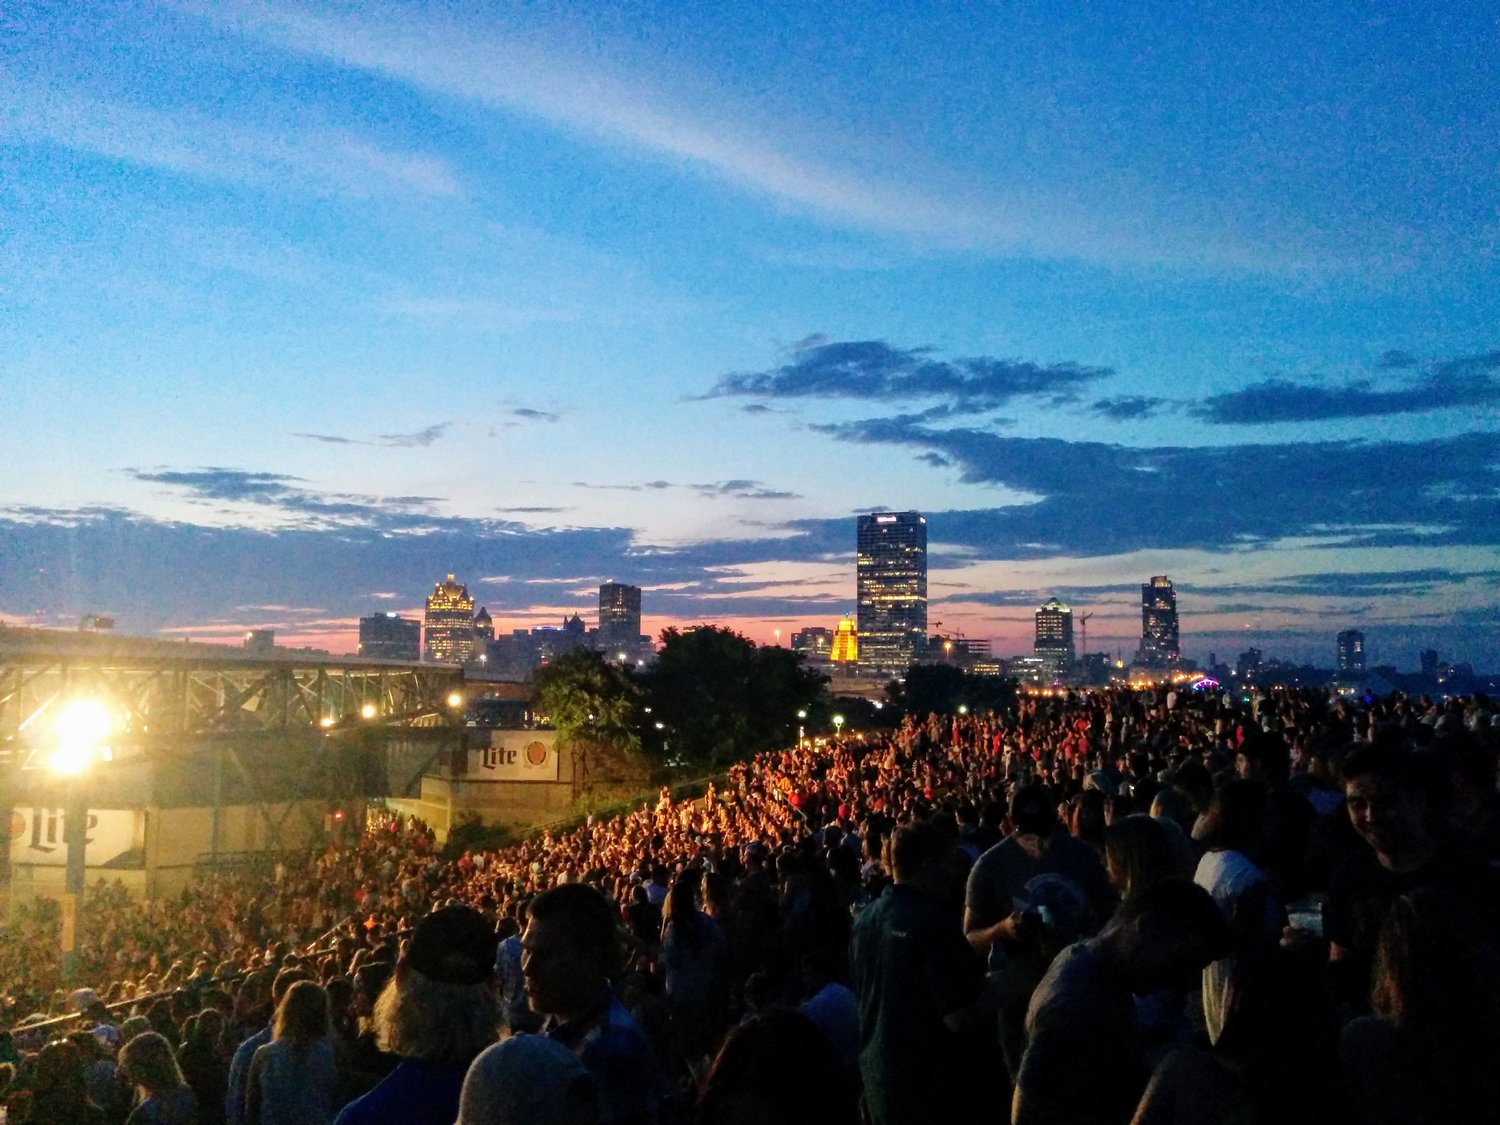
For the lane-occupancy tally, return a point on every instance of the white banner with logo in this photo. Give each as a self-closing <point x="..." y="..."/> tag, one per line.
<point x="37" y="836"/>
<point x="516" y="755"/>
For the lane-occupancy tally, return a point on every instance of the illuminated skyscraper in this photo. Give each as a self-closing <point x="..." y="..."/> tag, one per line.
<point x="1054" y="636"/>
<point x="1351" y="653"/>
<point x="1160" y="642"/>
<point x="390" y="637"/>
<point x="891" y="576"/>
<point x="450" y="624"/>
<point x="619" y="620"/>
<point x="845" y="647"/>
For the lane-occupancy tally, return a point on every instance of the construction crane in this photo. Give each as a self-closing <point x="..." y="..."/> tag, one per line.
<point x="1083" y="629"/>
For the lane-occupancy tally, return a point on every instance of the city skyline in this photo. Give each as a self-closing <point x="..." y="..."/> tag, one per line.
<point x="307" y="306"/>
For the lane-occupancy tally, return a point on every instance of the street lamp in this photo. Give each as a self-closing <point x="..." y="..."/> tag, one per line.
<point x="963" y="708"/>
<point x="838" y="725"/>
<point x="801" y="729"/>
<point x="79" y="731"/>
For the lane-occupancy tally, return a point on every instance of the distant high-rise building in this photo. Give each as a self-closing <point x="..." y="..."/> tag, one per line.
<point x="845" y="646"/>
<point x="1430" y="663"/>
<point x="388" y="636"/>
<point x="891" y="576"/>
<point x="1054" y="635"/>
<point x="484" y="630"/>
<point x="619" y="620"/>
<point x="1351" y="644"/>
<point x="450" y="624"/>
<point x="815" y="643"/>
<point x="261" y="640"/>
<point x="1160" y="640"/>
<point x="1249" y="666"/>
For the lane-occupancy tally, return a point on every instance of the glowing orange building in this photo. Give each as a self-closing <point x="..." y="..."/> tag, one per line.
<point x="845" y="643"/>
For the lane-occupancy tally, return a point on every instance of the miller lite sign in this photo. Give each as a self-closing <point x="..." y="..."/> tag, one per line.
<point x="515" y="755"/>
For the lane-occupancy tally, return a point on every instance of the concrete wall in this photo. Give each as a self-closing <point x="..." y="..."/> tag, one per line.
<point x="177" y="841"/>
<point x="448" y="796"/>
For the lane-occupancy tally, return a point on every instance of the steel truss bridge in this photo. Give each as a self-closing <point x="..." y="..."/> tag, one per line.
<point x="199" y="725"/>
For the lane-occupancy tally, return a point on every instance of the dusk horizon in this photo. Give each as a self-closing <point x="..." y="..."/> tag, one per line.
<point x="307" y="307"/>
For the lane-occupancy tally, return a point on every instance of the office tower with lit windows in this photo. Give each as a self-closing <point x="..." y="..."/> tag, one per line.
<point x="1054" y="636"/>
<point x="1160" y="639"/>
<point x="619" y="620"/>
<point x="815" y="643"/>
<point x="388" y="636"/>
<point x="450" y="624"/>
<point x="1351" y="648"/>
<point x="891" y="580"/>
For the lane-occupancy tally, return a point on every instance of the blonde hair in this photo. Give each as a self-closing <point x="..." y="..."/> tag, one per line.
<point x="417" y="1017"/>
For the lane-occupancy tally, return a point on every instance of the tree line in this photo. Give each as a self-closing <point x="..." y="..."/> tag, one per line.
<point x="713" y="697"/>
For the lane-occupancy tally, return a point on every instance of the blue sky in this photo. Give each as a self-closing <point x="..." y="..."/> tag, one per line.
<point x="304" y="306"/>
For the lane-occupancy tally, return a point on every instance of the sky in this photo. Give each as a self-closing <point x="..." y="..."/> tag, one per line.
<point x="305" y="306"/>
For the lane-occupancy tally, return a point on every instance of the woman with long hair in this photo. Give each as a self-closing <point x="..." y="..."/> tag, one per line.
<point x="292" y="1078"/>
<point x="1138" y="854"/>
<point x="1235" y="988"/>
<point x="60" y="1088"/>
<point x="204" y="1063"/>
<point x="1425" y="1054"/>
<point x="147" y="1063"/>
<point x="694" y="964"/>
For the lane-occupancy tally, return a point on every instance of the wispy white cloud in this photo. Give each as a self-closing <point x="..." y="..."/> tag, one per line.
<point x="751" y="150"/>
<point x="323" y="160"/>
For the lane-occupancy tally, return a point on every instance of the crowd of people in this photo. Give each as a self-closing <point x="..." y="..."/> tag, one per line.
<point x="1110" y="906"/>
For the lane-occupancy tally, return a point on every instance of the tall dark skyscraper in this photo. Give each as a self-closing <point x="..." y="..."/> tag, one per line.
<point x="390" y="637"/>
<point x="619" y="620"/>
<point x="1351" y="644"/>
<point x="891" y="575"/>
<point x="450" y="623"/>
<point x="1054" y="635"/>
<point x="1161" y="645"/>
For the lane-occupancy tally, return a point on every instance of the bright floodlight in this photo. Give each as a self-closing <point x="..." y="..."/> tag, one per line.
<point x="368" y="711"/>
<point x="455" y="700"/>
<point x="80" y="728"/>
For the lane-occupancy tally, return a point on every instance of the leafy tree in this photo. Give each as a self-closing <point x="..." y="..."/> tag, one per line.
<point x="720" y="698"/>
<point x="943" y="688"/>
<point x="932" y="689"/>
<point x="590" y="701"/>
